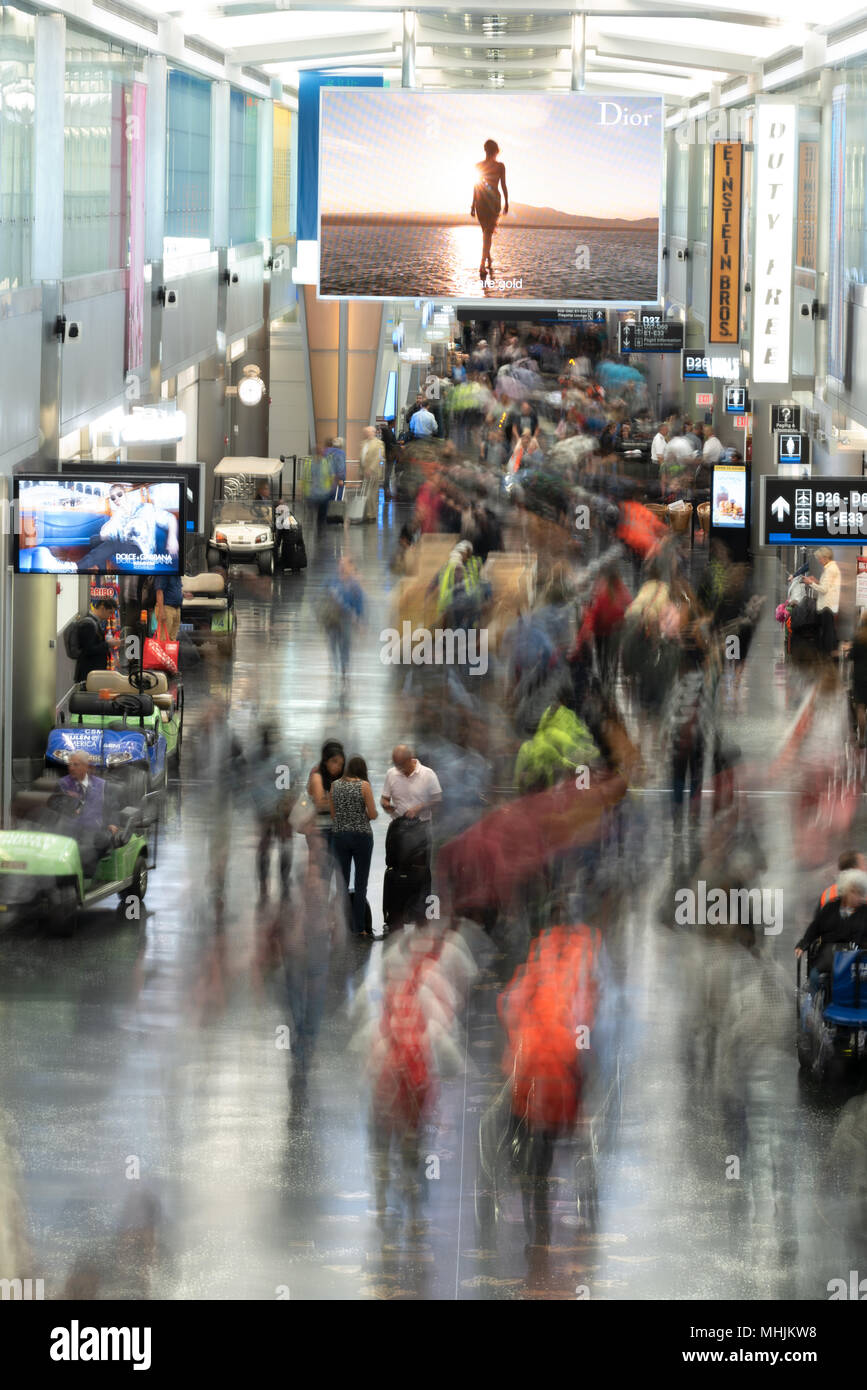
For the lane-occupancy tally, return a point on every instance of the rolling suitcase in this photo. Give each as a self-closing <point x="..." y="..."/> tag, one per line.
<point x="337" y="506"/>
<point x="293" y="552"/>
<point x="406" y="883"/>
<point x="356" y="503"/>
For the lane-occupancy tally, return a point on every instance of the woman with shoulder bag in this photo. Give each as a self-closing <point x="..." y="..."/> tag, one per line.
<point x="352" y="810"/>
<point x="320" y="830"/>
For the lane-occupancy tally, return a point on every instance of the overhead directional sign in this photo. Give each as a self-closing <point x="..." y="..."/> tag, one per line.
<point x="786" y="417"/>
<point x="792" y="448"/>
<point x="699" y="365"/>
<point x="651" y="335"/>
<point x="813" y="511"/>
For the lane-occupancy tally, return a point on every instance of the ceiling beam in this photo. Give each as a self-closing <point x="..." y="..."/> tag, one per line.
<point x="670" y="54"/>
<point x="623" y="9"/>
<point x="323" y="50"/>
<point x="427" y="60"/>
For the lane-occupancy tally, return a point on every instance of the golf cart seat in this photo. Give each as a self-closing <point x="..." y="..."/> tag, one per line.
<point x="129" y="703"/>
<point x="206" y="591"/>
<point x="121" y="685"/>
<point x="31" y="805"/>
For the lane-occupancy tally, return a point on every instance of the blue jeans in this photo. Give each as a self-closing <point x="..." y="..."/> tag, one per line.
<point x="354" y="845"/>
<point x="339" y="647"/>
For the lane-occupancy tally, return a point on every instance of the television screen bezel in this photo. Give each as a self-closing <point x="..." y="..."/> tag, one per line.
<point x="120" y="476"/>
<point x="734" y="527"/>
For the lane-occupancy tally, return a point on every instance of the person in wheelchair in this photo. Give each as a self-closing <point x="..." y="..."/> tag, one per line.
<point x="840" y="922"/>
<point x="83" y="804"/>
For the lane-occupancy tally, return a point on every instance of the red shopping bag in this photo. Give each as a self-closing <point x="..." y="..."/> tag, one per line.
<point x="159" y="653"/>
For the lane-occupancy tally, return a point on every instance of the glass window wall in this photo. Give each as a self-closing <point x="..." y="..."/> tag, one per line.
<point x="96" y="155"/>
<point x="188" y="162"/>
<point x="243" y="152"/>
<point x="16" y="146"/>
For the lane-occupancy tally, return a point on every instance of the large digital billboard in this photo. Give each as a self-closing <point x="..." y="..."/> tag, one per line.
<point x="523" y="197"/>
<point x="99" y="525"/>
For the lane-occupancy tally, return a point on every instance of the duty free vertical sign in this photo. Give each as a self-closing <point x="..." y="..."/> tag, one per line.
<point x="776" y="146"/>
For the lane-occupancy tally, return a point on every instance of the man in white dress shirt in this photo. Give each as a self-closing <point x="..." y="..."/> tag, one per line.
<point x="409" y="792"/>
<point x="660" y="440"/>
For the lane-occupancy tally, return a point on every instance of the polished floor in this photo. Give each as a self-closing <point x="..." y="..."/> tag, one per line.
<point x="154" y="1144"/>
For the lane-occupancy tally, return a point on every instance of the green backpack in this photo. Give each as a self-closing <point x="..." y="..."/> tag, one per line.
<point x="561" y="744"/>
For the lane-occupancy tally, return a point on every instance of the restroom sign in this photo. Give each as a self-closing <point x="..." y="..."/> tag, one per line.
<point x="786" y="417"/>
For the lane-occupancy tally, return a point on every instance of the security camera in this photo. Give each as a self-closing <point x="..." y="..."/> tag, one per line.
<point x="806" y="311"/>
<point x="73" y="330"/>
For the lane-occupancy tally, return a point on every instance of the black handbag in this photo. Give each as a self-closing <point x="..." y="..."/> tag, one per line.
<point x="805" y="614"/>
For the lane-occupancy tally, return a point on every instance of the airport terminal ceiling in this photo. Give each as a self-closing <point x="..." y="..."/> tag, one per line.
<point x="682" y="51"/>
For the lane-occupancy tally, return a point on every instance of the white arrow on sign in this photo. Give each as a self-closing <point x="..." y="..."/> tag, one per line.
<point x="780" y="508"/>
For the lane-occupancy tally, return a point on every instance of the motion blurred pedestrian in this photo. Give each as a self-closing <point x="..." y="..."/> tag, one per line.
<point x="372" y="456"/>
<point x="352" y="810"/>
<point x="332" y="762"/>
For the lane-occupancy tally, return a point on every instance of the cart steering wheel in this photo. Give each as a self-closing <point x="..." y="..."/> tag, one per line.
<point x="142" y="680"/>
<point x="128" y="704"/>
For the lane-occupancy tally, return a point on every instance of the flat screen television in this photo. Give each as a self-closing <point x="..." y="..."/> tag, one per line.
<point x="581" y="176"/>
<point x="729" y="501"/>
<point x="119" y="523"/>
<point x="144" y="468"/>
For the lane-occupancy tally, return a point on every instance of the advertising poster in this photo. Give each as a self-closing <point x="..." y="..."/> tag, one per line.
<point x="99" y="526"/>
<point x="725" y="245"/>
<point x="808" y="203"/>
<point x="861" y="583"/>
<point x="536" y="197"/>
<point x="135" y="281"/>
<point x="729" y="506"/>
<point x="773" y="274"/>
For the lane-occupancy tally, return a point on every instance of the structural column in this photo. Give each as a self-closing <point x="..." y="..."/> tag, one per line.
<point x="46" y="261"/>
<point x="265" y="171"/>
<point x="220" y="105"/>
<point x="48" y="123"/>
<point x="155" y="205"/>
<point x="407" y="58"/>
<point x="579" y="51"/>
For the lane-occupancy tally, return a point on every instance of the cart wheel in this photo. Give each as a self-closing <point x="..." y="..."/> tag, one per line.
<point x="805" y="1055"/>
<point x="266" y="561"/>
<point x="63" y="917"/>
<point x="139" y="885"/>
<point x="215" y="558"/>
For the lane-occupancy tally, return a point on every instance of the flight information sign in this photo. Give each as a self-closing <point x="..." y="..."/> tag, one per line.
<point x="651" y="335"/>
<point x="813" y="511"/>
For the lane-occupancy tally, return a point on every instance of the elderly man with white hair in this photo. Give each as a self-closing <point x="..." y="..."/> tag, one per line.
<point x="841" y="922"/>
<point x="409" y="794"/>
<point x="372" y="457"/>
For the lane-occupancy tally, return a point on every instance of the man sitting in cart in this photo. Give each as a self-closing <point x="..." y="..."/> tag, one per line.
<point x="841" y="921"/>
<point x="83" y="802"/>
